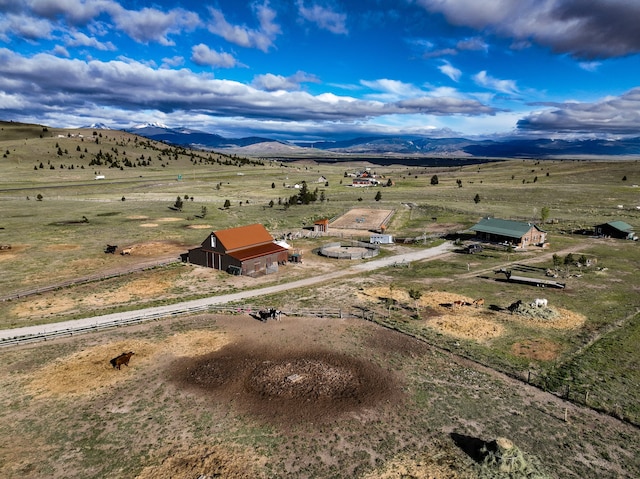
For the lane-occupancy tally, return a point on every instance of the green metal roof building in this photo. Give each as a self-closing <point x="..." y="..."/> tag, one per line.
<point x="516" y="233"/>
<point x="616" y="229"/>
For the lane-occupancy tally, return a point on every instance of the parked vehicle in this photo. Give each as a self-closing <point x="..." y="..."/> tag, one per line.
<point x="474" y="248"/>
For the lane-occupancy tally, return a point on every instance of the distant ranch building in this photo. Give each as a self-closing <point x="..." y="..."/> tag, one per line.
<point x="246" y="250"/>
<point x="363" y="182"/>
<point x="616" y="229"/>
<point x="516" y="233"/>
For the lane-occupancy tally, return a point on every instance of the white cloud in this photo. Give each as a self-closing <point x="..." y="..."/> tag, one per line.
<point x="152" y="25"/>
<point x="202" y="55"/>
<point x="589" y="66"/>
<point x="449" y="70"/>
<point x="613" y="115"/>
<point x="171" y="62"/>
<point x="68" y="84"/>
<point x="391" y="90"/>
<point x="271" y="82"/>
<point x="24" y="26"/>
<point x="61" y="51"/>
<point x="75" y="11"/>
<point x="261" y="38"/>
<point x="503" y="86"/>
<point x="585" y="29"/>
<point x="325" y="18"/>
<point x="475" y="43"/>
<point x="79" y="39"/>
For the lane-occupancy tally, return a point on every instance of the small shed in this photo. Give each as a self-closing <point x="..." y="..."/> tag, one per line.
<point x="321" y="226"/>
<point x="616" y="229"/>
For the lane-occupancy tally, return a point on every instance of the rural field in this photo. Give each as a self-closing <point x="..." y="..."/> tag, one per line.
<point x="404" y="385"/>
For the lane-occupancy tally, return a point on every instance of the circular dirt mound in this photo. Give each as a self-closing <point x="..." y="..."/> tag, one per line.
<point x="304" y="378"/>
<point x="287" y="385"/>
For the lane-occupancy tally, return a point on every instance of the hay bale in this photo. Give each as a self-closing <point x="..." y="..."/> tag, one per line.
<point x="505" y="460"/>
<point x="543" y="313"/>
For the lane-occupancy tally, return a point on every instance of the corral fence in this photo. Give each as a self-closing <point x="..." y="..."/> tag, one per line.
<point x="341" y="251"/>
<point x="132" y="318"/>
<point x="577" y="392"/>
<point x="568" y="389"/>
<point x="88" y="279"/>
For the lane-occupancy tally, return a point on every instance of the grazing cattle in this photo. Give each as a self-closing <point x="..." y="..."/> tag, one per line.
<point x="271" y="313"/>
<point x="122" y="359"/>
<point x="513" y="307"/>
<point x="458" y="304"/>
<point x="478" y="302"/>
<point x="126" y="251"/>
<point x="111" y="249"/>
<point x="539" y="303"/>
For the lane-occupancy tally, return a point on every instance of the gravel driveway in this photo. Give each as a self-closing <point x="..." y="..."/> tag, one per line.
<point x="177" y="308"/>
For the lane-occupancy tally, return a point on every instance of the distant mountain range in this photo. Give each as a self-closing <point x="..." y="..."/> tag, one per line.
<point x="394" y="146"/>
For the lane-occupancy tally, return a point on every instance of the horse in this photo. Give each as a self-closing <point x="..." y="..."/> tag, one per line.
<point x="539" y="303"/>
<point x="478" y="302"/>
<point x="513" y="307"/>
<point x="122" y="359"/>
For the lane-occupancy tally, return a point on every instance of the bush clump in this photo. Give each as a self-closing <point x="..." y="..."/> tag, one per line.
<point x="503" y="460"/>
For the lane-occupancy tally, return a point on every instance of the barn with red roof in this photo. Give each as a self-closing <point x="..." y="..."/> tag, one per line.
<point x="246" y="250"/>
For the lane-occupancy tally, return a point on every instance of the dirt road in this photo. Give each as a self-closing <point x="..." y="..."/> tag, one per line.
<point x="173" y="309"/>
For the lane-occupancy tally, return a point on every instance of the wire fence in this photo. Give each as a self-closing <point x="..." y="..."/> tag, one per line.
<point x="132" y="318"/>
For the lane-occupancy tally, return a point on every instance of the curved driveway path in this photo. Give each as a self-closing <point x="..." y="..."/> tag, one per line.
<point x="185" y="306"/>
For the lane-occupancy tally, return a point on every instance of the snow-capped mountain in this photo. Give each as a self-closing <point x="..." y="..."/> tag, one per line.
<point x="396" y="145"/>
<point x="155" y="124"/>
<point x="97" y="126"/>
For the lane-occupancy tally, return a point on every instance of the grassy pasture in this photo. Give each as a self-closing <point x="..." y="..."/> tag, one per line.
<point x="62" y="237"/>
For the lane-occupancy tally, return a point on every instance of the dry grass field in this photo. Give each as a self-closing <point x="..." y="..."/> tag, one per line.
<point x="416" y="391"/>
<point x="303" y="397"/>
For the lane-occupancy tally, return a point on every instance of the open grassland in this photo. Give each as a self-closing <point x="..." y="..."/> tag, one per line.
<point x="202" y="396"/>
<point x="587" y="353"/>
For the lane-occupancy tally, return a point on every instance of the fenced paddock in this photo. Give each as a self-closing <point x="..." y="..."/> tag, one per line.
<point x="351" y="250"/>
<point x="245" y="309"/>
<point x="368" y="219"/>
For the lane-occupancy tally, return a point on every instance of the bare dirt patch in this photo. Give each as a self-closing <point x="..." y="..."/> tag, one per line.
<point x="442" y="461"/>
<point x="54" y="303"/>
<point x="13" y="252"/>
<point x="88" y="371"/>
<point x="168" y="220"/>
<point x="455" y="315"/>
<point x="539" y="349"/>
<point x="156" y="248"/>
<point x="137" y="217"/>
<point x="199" y="227"/>
<point x="149" y="225"/>
<point x="465" y="322"/>
<point x="228" y="461"/>
<point x="287" y="385"/>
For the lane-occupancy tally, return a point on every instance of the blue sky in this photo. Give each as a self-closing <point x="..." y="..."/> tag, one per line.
<point x="313" y="69"/>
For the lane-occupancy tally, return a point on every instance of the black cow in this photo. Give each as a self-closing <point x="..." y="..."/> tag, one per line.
<point x="111" y="249"/>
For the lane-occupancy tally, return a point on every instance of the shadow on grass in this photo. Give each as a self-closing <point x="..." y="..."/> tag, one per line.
<point x="475" y="448"/>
